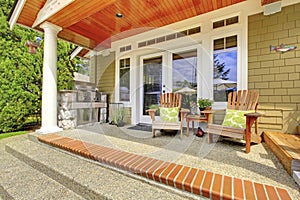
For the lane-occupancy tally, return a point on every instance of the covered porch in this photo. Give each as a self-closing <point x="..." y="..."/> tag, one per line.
<point x="125" y="36"/>
<point x="122" y="39"/>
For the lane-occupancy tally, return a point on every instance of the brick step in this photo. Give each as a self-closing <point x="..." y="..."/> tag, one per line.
<point x="84" y="178"/>
<point x="193" y="180"/>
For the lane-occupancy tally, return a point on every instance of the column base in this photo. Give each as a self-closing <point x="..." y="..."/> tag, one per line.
<point x="46" y="130"/>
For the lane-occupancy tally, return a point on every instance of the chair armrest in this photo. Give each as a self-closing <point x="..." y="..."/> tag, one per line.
<point x="151" y="110"/>
<point x="208" y="111"/>
<point x="254" y="114"/>
<point x="184" y="110"/>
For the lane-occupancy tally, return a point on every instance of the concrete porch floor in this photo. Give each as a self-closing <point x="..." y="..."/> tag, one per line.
<point x="225" y="158"/>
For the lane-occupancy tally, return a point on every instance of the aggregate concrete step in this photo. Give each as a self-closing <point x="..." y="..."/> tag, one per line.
<point x="20" y="181"/>
<point x="87" y="179"/>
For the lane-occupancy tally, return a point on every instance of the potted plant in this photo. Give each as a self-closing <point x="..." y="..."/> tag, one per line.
<point x="204" y="103"/>
<point x="120" y="117"/>
<point x="155" y="106"/>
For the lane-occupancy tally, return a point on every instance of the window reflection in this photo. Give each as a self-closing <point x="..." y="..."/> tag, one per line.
<point x="225" y="67"/>
<point x="185" y="76"/>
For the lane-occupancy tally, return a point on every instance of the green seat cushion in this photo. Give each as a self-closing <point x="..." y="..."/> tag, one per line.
<point x="236" y="118"/>
<point x="169" y="114"/>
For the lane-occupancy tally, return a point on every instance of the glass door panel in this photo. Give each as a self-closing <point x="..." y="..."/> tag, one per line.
<point x="152" y="82"/>
<point x="184" y="72"/>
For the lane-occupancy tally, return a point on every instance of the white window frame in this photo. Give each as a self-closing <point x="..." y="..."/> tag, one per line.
<point x="242" y="67"/>
<point x="117" y="79"/>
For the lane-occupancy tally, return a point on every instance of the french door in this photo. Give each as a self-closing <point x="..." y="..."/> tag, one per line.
<point x="153" y="78"/>
<point x="166" y="72"/>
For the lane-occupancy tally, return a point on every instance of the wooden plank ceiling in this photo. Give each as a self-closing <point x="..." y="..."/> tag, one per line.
<point x="93" y="23"/>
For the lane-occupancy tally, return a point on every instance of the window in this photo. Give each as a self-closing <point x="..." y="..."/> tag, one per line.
<point x="226" y="22"/>
<point x="125" y="79"/>
<point x="225" y="67"/>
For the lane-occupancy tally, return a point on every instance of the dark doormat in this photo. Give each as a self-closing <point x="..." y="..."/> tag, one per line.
<point x="141" y="127"/>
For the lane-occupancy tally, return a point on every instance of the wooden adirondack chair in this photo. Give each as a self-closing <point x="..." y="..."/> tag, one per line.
<point x="244" y="100"/>
<point x="168" y="100"/>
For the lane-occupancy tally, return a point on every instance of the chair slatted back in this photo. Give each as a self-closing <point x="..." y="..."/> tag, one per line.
<point x="243" y="100"/>
<point x="169" y="100"/>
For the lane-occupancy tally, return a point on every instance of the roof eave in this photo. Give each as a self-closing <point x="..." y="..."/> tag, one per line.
<point x="15" y="12"/>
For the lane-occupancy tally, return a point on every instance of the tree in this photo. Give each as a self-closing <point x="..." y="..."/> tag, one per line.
<point x="21" y="73"/>
<point x="219" y="69"/>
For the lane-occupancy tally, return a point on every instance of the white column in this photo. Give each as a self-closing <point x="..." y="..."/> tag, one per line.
<point x="49" y="91"/>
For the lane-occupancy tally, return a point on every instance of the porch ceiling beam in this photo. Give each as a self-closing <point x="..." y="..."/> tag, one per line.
<point x="49" y="9"/>
<point x="79" y="10"/>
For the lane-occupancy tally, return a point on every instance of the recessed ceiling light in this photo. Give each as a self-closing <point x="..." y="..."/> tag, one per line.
<point x="119" y="15"/>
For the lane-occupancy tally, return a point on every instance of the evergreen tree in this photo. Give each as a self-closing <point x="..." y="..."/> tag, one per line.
<point x="21" y="73"/>
<point x="219" y="69"/>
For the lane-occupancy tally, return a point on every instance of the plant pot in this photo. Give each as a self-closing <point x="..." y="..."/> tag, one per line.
<point x="120" y="124"/>
<point x="206" y="108"/>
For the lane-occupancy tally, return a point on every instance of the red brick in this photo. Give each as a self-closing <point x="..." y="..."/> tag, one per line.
<point x="146" y="166"/>
<point x="283" y="194"/>
<point x="216" y="188"/>
<point x="93" y="148"/>
<point x="131" y="165"/>
<point x="140" y="165"/>
<point x="249" y="190"/>
<point x="123" y="164"/>
<point x="205" y="188"/>
<point x="98" y="154"/>
<point x="159" y="171"/>
<point x="83" y="150"/>
<point x="174" y="173"/>
<point x="260" y="191"/>
<point x="60" y="142"/>
<point x="69" y="144"/>
<point x="271" y="192"/>
<point x="150" y="172"/>
<point x="189" y="179"/>
<point x="238" y="189"/>
<point x="118" y="162"/>
<point x="227" y="188"/>
<point x="181" y="177"/>
<point x="111" y="160"/>
<point x="105" y="158"/>
<point x="197" y="182"/>
<point x="163" y="176"/>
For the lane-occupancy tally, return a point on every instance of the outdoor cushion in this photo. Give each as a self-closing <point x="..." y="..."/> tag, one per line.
<point x="169" y="114"/>
<point x="236" y="118"/>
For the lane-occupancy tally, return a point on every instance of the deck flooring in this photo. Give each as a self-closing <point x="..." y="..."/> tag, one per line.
<point x="286" y="147"/>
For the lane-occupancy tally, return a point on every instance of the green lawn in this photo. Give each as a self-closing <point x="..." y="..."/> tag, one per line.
<point x="6" y="135"/>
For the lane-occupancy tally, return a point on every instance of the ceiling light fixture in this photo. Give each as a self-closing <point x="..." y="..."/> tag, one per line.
<point x="119" y="15"/>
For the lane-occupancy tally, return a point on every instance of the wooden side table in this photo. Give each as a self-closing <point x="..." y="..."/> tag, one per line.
<point x="198" y="118"/>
